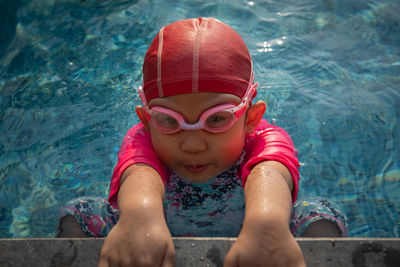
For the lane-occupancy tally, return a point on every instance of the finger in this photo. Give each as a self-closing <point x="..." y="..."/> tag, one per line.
<point x="230" y="260"/>
<point x="169" y="256"/>
<point x="103" y="262"/>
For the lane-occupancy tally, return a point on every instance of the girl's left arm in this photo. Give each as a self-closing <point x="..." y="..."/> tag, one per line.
<point x="265" y="238"/>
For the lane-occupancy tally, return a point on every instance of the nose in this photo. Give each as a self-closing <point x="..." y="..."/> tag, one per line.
<point x="194" y="142"/>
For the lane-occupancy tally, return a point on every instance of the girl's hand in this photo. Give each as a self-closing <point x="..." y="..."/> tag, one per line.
<point x="265" y="239"/>
<point x="141" y="237"/>
<point x="265" y="247"/>
<point x="138" y="243"/>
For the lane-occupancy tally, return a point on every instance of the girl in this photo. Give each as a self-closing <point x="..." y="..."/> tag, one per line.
<point x="203" y="162"/>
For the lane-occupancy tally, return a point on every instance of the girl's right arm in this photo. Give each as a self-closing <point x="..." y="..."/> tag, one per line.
<point x="141" y="236"/>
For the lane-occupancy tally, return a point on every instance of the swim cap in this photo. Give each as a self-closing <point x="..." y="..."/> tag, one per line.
<point x="196" y="55"/>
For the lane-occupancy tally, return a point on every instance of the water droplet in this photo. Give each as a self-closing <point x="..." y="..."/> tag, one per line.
<point x="147" y="235"/>
<point x="193" y="244"/>
<point x="202" y="258"/>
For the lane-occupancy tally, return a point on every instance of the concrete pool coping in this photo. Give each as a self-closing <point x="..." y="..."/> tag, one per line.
<point x="325" y="252"/>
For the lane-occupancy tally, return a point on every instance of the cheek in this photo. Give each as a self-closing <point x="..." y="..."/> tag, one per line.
<point x="163" y="145"/>
<point x="231" y="145"/>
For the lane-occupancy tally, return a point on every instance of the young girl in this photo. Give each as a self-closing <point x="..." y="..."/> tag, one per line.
<point x="202" y="162"/>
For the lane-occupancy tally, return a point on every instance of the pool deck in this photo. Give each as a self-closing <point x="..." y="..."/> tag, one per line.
<point x="324" y="252"/>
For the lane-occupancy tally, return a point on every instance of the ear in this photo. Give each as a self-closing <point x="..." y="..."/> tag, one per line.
<point x="254" y="116"/>
<point x="142" y="117"/>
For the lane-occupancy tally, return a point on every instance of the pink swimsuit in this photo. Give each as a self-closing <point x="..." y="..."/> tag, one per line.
<point x="268" y="142"/>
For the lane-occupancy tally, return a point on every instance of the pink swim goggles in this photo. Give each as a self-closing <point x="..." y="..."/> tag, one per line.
<point x="217" y="119"/>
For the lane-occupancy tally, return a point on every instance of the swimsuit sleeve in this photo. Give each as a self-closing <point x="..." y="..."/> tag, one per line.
<point x="136" y="148"/>
<point x="269" y="142"/>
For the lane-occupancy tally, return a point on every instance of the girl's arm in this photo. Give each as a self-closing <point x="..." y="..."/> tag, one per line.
<point x="265" y="239"/>
<point x="141" y="236"/>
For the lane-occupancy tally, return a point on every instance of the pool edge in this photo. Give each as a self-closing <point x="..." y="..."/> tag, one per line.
<point x="200" y="251"/>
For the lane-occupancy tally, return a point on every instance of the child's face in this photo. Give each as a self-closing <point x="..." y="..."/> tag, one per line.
<point x="198" y="155"/>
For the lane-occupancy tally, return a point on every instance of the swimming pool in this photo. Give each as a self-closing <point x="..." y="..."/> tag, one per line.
<point x="329" y="71"/>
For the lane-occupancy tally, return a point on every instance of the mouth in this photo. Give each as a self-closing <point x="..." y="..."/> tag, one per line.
<point x="196" y="168"/>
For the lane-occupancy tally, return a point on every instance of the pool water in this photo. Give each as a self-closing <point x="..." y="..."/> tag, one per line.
<point x="329" y="71"/>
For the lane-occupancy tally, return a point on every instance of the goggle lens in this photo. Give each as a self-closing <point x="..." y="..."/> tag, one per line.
<point x="220" y="120"/>
<point x="164" y="122"/>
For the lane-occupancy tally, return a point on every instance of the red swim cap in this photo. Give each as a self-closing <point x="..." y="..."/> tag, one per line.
<point x="196" y="55"/>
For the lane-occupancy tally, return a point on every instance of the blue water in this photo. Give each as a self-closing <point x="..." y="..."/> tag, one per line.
<point x="329" y="71"/>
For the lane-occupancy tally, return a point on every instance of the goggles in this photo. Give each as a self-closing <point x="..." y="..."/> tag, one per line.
<point x="217" y="119"/>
